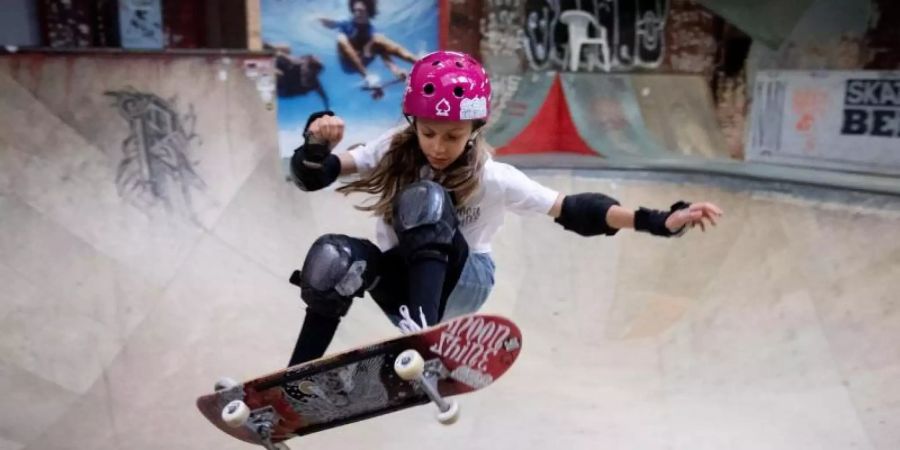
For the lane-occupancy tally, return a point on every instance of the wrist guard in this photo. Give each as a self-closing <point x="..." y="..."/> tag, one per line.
<point x="315" y="152"/>
<point x="653" y="221"/>
<point x="313" y="166"/>
<point x="310" y="176"/>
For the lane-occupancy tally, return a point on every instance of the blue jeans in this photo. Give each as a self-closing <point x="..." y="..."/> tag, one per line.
<point x="473" y="287"/>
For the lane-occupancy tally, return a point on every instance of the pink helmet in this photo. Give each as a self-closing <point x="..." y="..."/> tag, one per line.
<point x="447" y="86"/>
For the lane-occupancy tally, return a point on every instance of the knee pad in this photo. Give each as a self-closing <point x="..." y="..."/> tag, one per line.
<point x="337" y="269"/>
<point x="425" y="221"/>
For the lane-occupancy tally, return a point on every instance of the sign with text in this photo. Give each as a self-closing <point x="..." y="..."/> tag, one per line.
<point x="837" y="119"/>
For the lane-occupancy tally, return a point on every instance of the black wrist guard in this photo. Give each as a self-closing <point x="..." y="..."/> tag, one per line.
<point x="585" y="214"/>
<point x="653" y="221"/>
<point x="315" y="153"/>
<point x="313" y="166"/>
<point x="310" y="176"/>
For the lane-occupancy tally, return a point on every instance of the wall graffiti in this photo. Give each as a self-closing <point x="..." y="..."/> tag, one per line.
<point x="634" y="33"/>
<point x="808" y="104"/>
<point x="156" y="169"/>
<point x="503" y="90"/>
<point x="501" y="28"/>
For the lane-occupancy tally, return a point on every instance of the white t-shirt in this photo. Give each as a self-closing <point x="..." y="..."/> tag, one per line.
<point x="503" y="187"/>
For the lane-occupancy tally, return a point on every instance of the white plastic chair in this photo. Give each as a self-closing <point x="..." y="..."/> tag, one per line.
<point x="578" y="23"/>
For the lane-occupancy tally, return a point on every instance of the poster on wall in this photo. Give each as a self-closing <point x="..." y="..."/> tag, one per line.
<point x="140" y="24"/>
<point x="349" y="56"/>
<point x="848" y="120"/>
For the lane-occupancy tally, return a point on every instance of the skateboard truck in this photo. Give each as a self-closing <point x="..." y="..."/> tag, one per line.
<point x="410" y="366"/>
<point x="237" y="414"/>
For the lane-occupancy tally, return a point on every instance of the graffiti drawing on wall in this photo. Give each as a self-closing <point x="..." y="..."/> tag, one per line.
<point x="501" y="27"/>
<point x="624" y="34"/>
<point x="809" y="105"/>
<point x="157" y="169"/>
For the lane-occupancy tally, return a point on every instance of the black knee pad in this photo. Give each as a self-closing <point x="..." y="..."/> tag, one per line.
<point x="337" y="269"/>
<point x="425" y="221"/>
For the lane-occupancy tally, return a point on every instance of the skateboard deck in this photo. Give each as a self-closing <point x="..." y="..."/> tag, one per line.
<point x="461" y="355"/>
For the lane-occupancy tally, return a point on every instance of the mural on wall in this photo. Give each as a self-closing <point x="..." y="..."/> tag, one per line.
<point x="624" y="34"/>
<point x="157" y="168"/>
<point x="501" y="27"/>
<point x="350" y="56"/>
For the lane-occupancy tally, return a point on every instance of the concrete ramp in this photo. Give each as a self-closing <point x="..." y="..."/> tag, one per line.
<point x="128" y="289"/>
<point x="609" y="116"/>
<point x="680" y="113"/>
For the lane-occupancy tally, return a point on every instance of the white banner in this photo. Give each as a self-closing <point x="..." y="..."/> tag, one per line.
<point x="836" y="119"/>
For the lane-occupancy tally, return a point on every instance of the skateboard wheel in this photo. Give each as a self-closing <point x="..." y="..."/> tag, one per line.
<point x="235" y="414"/>
<point x="225" y="383"/>
<point x="449" y="416"/>
<point x="409" y="365"/>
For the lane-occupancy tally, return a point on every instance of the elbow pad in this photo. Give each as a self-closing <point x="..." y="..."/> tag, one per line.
<point x="585" y="214"/>
<point x="310" y="176"/>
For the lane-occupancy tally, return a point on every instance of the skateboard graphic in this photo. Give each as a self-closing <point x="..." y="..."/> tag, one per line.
<point x="377" y="92"/>
<point x="460" y="356"/>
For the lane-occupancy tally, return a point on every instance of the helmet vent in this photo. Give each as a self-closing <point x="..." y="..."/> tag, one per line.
<point x="458" y="91"/>
<point x="428" y="89"/>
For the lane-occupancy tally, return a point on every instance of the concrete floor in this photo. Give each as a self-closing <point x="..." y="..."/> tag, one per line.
<point x="776" y="330"/>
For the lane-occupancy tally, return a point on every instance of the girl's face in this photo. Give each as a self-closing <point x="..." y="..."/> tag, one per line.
<point x="360" y="13"/>
<point x="443" y="141"/>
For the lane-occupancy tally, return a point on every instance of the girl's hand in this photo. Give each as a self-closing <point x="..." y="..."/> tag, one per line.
<point x="326" y="129"/>
<point x="696" y="214"/>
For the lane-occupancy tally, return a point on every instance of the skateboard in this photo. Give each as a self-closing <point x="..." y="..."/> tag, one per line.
<point x="377" y="92"/>
<point x="456" y="357"/>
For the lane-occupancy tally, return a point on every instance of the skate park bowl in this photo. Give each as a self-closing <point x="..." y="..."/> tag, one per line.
<point x="130" y="284"/>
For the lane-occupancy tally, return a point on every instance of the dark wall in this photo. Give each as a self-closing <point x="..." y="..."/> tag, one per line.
<point x="192" y="24"/>
<point x="883" y="39"/>
<point x="19" y="24"/>
<point x="465" y="24"/>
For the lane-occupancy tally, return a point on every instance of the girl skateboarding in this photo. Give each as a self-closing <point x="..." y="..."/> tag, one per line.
<point x="439" y="199"/>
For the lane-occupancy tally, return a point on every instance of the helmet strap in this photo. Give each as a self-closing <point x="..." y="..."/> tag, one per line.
<point x="471" y="142"/>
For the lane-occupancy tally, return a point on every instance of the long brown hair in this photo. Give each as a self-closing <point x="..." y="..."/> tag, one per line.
<point x="402" y="165"/>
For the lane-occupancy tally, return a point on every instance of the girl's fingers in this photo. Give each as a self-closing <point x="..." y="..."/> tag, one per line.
<point x="328" y="128"/>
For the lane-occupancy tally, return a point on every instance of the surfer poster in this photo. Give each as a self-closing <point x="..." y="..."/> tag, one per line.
<point x="349" y="56"/>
